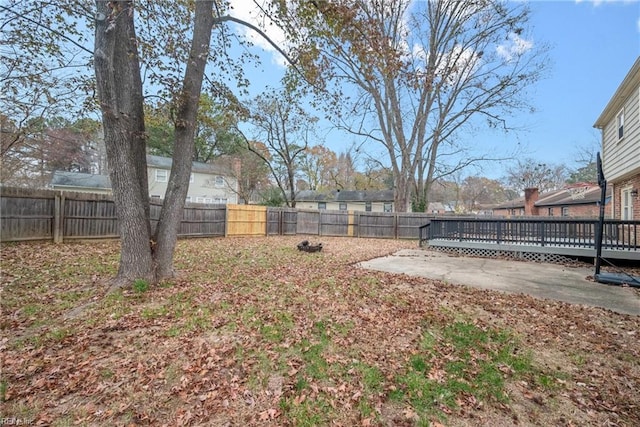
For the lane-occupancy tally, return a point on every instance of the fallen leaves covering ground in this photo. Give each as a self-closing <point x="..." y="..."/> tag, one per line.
<point x="255" y="332"/>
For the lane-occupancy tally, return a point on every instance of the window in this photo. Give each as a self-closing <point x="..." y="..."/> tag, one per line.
<point x="388" y="207"/>
<point x="156" y="196"/>
<point x="620" y="120"/>
<point x="367" y="206"/>
<point x="565" y="211"/>
<point x="343" y="206"/>
<point x="550" y="212"/>
<point x="188" y="200"/>
<point x="219" y="181"/>
<point x="322" y="205"/>
<point x="626" y="207"/>
<point x="199" y="199"/>
<point x="161" y="175"/>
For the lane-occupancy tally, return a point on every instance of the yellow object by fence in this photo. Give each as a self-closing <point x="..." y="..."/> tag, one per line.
<point x="246" y="220"/>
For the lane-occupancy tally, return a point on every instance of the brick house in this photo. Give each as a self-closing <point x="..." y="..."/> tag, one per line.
<point x="619" y="124"/>
<point x="580" y="200"/>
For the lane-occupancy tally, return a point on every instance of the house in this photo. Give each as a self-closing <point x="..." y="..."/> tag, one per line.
<point x="580" y="200"/>
<point x="81" y="182"/>
<point x="209" y="183"/>
<point x="619" y="124"/>
<point x="438" y="208"/>
<point x="347" y="200"/>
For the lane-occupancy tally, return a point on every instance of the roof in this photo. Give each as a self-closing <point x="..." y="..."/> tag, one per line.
<point x="199" y="167"/>
<point x="575" y="194"/>
<point x="511" y="204"/>
<point x="437" y="206"/>
<point x="345" y="196"/>
<point x="86" y="180"/>
<point x="83" y="180"/>
<point x="628" y="85"/>
<point x="572" y="195"/>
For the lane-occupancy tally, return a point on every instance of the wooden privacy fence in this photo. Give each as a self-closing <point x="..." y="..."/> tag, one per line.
<point x="388" y="225"/>
<point x="27" y="214"/>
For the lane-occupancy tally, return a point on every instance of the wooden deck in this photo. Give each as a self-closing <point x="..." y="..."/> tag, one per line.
<point x="562" y="237"/>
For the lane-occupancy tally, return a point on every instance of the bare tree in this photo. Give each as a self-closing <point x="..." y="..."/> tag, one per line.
<point x="419" y="73"/>
<point x="477" y="190"/>
<point x="285" y="129"/>
<point x="528" y="173"/>
<point x="586" y="169"/>
<point x="345" y="172"/>
<point x="318" y="165"/>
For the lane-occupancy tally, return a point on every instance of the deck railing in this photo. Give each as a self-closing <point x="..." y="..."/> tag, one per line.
<point x="619" y="235"/>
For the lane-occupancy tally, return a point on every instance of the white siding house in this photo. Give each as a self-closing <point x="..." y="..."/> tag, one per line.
<point x="209" y="183"/>
<point x="346" y="200"/>
<point x="620" y="126"/>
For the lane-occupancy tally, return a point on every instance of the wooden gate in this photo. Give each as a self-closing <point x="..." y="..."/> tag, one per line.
<point x="246" y="220"/>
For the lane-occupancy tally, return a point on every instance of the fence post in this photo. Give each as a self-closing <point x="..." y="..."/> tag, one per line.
<point x="58" y="218"/>
<point x="226" y="220"/>
<point x="280" y="222"/>
<point x="395" y="225"/>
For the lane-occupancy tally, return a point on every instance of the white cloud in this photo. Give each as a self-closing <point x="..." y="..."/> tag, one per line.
<point x="597" y="3"/>
<point x="248" y="11"/>
<point x="515" y="46"/>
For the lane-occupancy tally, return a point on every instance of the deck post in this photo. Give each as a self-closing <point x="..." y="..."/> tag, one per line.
<point x="600" y="229"/>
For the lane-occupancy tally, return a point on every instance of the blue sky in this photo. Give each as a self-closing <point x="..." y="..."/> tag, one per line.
<point x="593" y="46"/>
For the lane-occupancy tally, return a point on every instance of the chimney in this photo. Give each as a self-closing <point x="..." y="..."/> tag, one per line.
<point x="531" y="196"/>
<point x="236" y="167"/>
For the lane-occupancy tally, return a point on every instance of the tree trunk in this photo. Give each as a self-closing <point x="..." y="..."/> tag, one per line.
<point x="166" y="234"/>
<point x="119" y="90"/>
<point x="401" y="194"/>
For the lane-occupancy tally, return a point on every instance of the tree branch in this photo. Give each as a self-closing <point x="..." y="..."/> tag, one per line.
<point x="228" y="18"/>
<point x="56" y="32"/>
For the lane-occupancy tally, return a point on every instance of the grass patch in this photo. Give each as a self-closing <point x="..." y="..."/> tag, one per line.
<point x="150" y="313"/>
<point x="30" y="310"/>
<point x="457" y="360"/>
<point x="306" y="413"/>
<point x="371" y="376"/>
<point x="4" y="385"/>
<point x="140" y="286"/>
<point x="59" y="334"/>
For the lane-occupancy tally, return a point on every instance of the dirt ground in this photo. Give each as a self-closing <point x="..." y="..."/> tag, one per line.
<point x="254" y="332"/>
